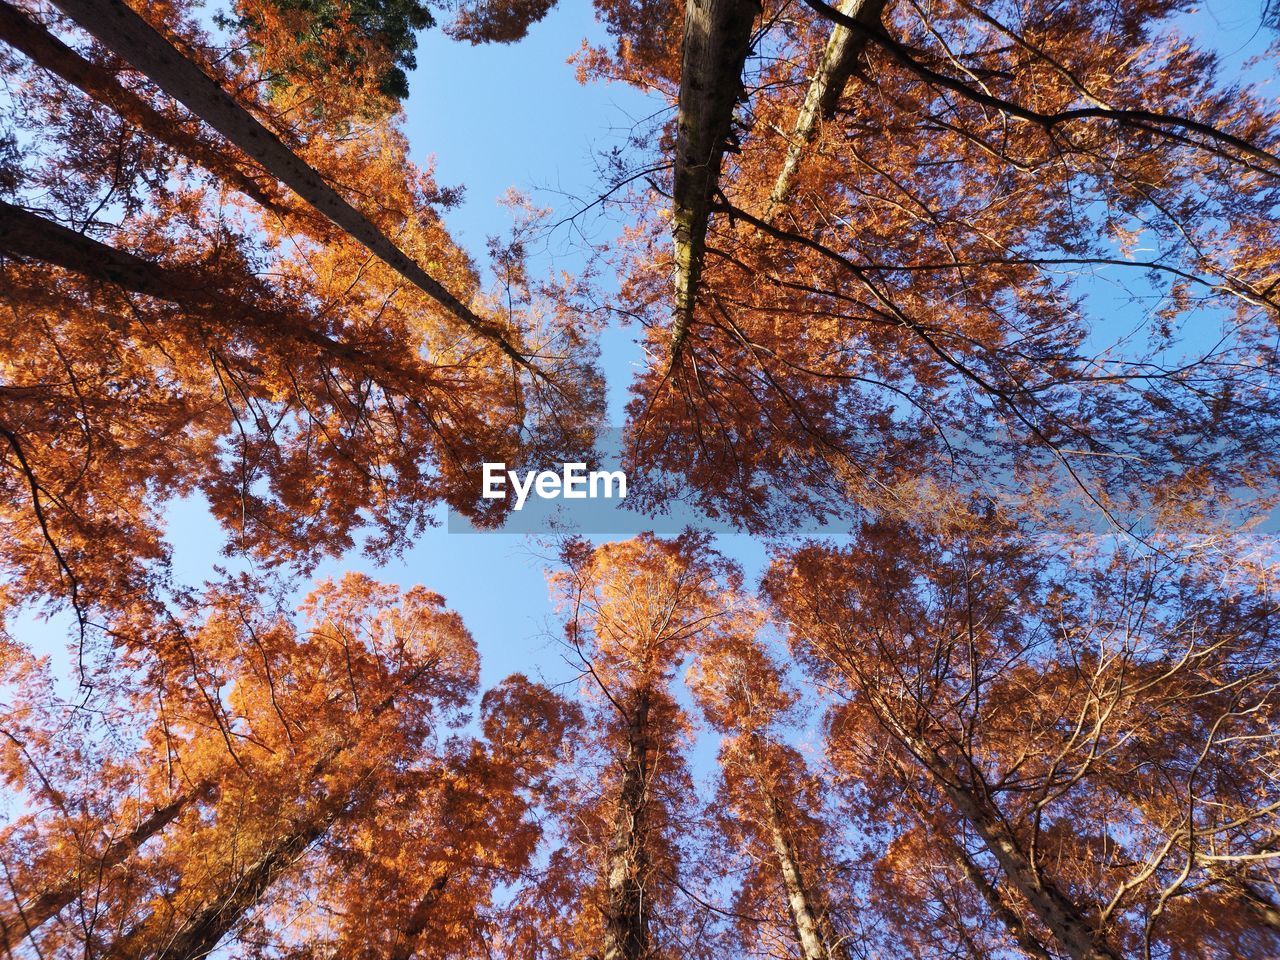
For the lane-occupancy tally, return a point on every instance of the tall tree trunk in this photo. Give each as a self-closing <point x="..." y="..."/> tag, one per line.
<point x="48" y="52"/>
<point x="1063" y="918"/>
<point x="627" y="898"/>
<point x="1023" y="937"/>
<point x="27" y="236"/>
<point x="839" y="59"/>
<point x="717" y="39"/>
<point x="1054" y="908"/>
<point x="814" y="937"/>
<point x="197" y="935"/>
<point x="974" y="873"/>
<point x="22" y="920"/>
<point x="135" y="41"/>
<point x="200" y="932"/>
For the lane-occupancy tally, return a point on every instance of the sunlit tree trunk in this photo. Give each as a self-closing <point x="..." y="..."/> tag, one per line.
<point x="717" y="39"/>
<point x="201" y="931"/>
<point x="626" y="934"/>
<point x="134" y="40"/>
<point x="814" y="936"/>
<point x="198" y="934"/>
<point x="839" y="58"/>
<point x="1052" y="907"/>
<point x="1026" y="942"/>
<point x="976" y="875"/>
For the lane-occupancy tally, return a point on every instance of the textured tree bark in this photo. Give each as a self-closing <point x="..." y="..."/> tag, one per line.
<point x="627" y="899"/>
<point x="134" y="40"/>
<point x="25" y="235"/>
<point x="198" y="934"/>
<point x="804" y="918"/>
<point x="1026" y="942"/>
<point x="1054" y="909"/>
<point x="717" y="39"/>
<point x="28" y="236"/>
<point x="20" y="921"/>
<point x="48" y="52"/>
<point x="839" y="59"/>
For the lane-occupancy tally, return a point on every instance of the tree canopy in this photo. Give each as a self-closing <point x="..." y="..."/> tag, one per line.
<point x="969" y="309"/>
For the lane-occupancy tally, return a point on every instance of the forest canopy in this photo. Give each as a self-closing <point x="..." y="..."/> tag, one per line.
<point x="962" y="316"/>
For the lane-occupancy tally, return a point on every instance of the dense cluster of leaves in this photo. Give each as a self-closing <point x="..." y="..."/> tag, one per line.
<point x="877" y="253"/>
<point x="365" y="43"/>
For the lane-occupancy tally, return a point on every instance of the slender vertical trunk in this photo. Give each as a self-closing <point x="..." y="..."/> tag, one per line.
<point x="804" y="918"/>
<point x="839" y="58"/>
<point x="627" y="898"/>
<point x="49" y="53"/>
<point x="135" y="41"/>
<point x="717" y="39"/>
<point x="22" y="920"/>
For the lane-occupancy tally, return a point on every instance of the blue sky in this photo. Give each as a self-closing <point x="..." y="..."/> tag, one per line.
<point x="493" y="118"/>
<point x="496" y="117"/>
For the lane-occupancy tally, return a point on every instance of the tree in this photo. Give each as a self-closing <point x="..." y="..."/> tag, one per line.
<point x="634" y="610"/>
<point x="324" y="45"/>
<point x="909" y="294"/>
<point x="1094" y="729"/>
<point x="24" y="34"/>
<point x="717" y="39"/>
<point x="312" y="403"/>
<point x="287" y="417"/>
<point x="871" y="257"/>
<point x="286" y="766"/>
<point x="130" y="37"/>
<point x="822" y="98"/>
<point x="487" y="21"/>
<point x="422" y="875"/>
<point x="769" y="807"/>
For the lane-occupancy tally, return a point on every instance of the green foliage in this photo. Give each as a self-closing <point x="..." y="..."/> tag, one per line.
<point x="389" y="24"/>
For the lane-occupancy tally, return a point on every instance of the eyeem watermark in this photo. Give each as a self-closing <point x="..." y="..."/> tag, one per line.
<point x="573" y="482"/>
